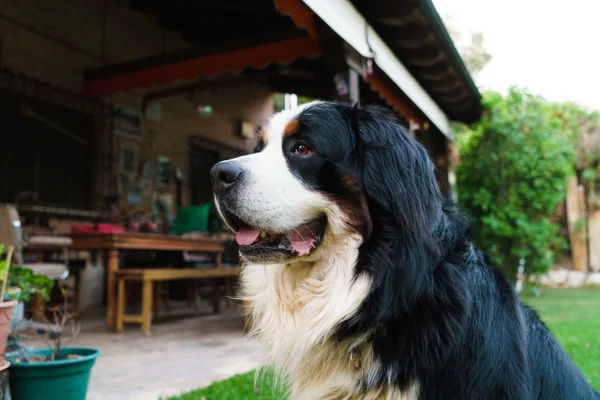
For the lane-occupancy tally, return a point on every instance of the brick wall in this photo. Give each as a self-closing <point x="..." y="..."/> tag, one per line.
<point x="54" y="41"/>
<point x="169" y="137"/>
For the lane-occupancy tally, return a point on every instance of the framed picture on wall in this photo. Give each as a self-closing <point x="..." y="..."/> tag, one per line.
<point x="128" y="156"/>
<point x="126" y="121"/>
<point x="163" y="170"/>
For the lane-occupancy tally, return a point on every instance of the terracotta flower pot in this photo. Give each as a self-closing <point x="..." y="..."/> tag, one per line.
<point x="6" y="310"/>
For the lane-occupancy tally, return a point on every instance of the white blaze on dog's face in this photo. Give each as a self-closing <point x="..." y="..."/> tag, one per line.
<point x="277" y="200"/>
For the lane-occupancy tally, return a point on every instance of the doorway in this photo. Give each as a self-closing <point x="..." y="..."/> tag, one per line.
<point x="202" y="161"/>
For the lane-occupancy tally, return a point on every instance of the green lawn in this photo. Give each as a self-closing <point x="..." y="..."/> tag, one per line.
<point x="239" y="387"/>
<point x="572" y="314"/>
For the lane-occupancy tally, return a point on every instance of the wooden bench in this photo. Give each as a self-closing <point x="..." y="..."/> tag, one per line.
<point x="148" y="277"/>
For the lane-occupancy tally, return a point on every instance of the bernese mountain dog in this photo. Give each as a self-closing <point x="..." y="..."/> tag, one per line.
<point x="362" y="284"/>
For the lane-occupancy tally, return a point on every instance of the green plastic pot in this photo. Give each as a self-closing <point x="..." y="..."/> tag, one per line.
<point x="57" y="380"/>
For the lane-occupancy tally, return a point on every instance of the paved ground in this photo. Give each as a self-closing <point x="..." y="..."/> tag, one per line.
<point x="181" y="354"/>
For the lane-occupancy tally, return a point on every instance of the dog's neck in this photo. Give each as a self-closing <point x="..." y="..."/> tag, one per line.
<point x="295" y="308"/>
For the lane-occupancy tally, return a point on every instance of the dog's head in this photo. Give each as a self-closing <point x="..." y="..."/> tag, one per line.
<point x="322" y="172"/>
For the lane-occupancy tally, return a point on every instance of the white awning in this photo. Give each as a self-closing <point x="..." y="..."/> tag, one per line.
<point x="346" y="21"/>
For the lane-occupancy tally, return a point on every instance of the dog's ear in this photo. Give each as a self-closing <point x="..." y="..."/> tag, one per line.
<point x="405" y="206"/>
<point x="410" y="298"/>
<point x="396" y="172"/>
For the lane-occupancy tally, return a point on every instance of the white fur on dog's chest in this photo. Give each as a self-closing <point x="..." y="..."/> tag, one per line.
<point x="294" y="311"/>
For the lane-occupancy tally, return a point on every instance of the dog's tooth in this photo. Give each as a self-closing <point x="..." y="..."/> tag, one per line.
<point x="263" y="234"/>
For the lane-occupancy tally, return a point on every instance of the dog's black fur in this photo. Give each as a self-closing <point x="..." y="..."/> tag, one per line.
<point x="438" y="313"/>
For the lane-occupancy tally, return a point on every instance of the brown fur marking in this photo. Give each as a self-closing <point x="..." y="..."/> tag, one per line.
<point x="355" y="206"/>
<point x="291" y="128"/>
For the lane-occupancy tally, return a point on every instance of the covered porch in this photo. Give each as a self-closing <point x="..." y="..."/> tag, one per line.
<point x="151" y="127"/>
<point x="170" y="88"/>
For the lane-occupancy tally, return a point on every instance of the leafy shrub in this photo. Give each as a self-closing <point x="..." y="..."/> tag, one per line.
<point x="26" y="280"/>
<point x="29" y="283"/>
<point x="514" y="166"/>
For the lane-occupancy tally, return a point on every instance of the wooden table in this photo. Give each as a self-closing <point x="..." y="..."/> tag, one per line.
<point x="115" y="242"/>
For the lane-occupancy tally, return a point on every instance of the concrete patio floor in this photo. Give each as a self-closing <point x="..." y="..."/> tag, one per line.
<point x="182" y="353"/>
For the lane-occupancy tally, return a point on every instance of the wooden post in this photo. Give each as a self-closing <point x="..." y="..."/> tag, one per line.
<point x="112" y="266"/>
<point x="347" y="87"/>
<point x="354" y="80"/>
<point x="576" y="219"/>
<point x="594" y="240"/>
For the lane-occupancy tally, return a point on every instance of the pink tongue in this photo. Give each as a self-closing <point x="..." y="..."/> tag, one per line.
<point x="247" y="235"/>
<point x="302" y="244"/>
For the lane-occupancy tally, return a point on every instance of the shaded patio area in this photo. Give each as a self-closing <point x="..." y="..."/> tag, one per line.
<point x="183" y="353"/>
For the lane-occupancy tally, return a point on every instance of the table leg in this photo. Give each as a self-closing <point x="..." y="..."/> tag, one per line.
<point x="228" y="291"/>
<point x="146" y="307"/>
<point x="112" y="267"/>
<point x="121" y="305"/>
<point x="216" y="295"/>
<point x="77" y="293"/>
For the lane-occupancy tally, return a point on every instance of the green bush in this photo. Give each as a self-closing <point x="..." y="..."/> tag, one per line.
<point x="514" y="166"/>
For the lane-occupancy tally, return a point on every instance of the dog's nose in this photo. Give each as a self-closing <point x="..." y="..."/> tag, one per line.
<point x="224" y="175"/>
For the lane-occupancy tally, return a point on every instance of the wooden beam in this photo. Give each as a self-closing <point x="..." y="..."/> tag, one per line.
<point x="232" y="6"/>
<point x="195" y="86"/>
<point x="205" y="48"/>
<point x="207" y="23"/>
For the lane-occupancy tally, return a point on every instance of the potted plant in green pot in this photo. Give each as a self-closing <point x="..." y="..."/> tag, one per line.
<point x="23" y="285"/>
<point x="59" y="372"/>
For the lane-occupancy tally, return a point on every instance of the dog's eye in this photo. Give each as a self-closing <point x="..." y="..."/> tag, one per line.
<point x="302" y="149"/>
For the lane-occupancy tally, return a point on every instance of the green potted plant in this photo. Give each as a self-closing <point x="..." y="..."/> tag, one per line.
<point x="59" y="372"/>
<point x="23" y="284"/>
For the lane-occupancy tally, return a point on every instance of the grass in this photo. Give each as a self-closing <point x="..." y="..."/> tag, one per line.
<point x="239" y="387"/>
<point x="573" y="315"/>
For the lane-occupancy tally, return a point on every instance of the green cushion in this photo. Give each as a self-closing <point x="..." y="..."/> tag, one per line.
<point x="192" y="219"/>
